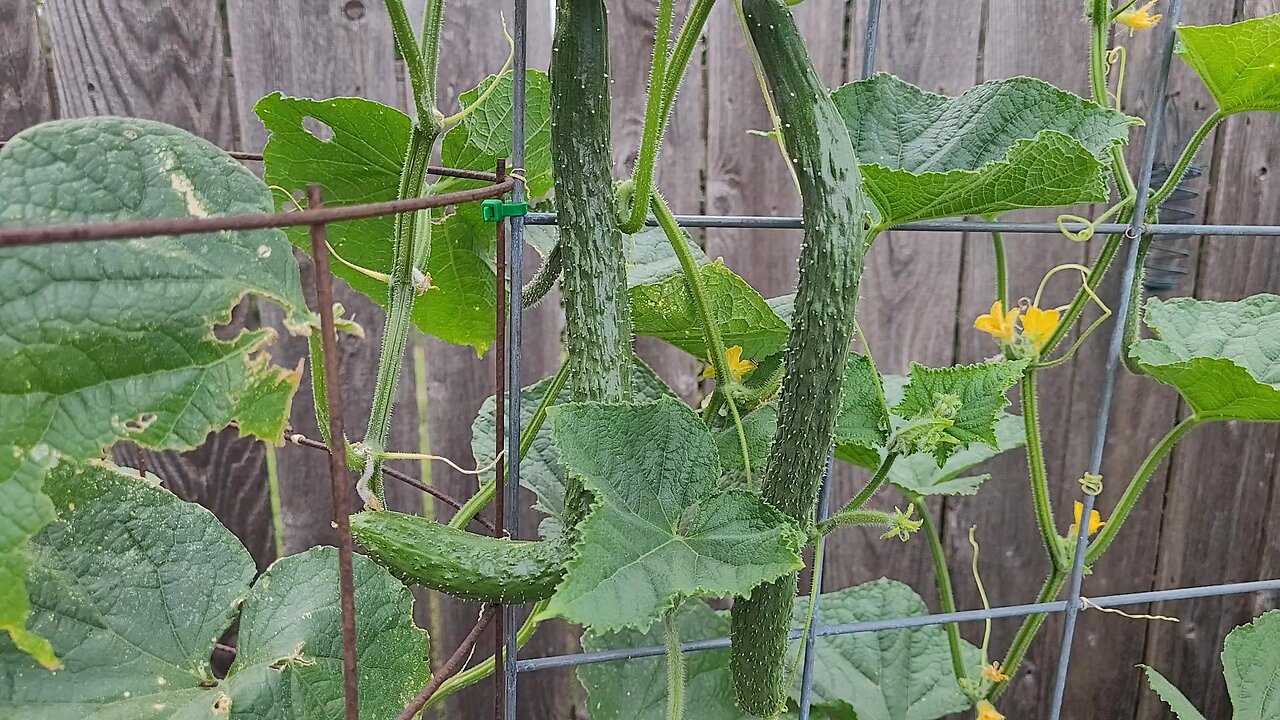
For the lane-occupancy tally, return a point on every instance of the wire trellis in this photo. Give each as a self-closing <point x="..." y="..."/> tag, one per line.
<point x="508" y="352"/>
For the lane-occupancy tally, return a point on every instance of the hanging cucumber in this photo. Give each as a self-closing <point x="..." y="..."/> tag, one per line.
<point x="831" y="260"/>
<point x="463" y="564"/>
<point x="596" y="304"/>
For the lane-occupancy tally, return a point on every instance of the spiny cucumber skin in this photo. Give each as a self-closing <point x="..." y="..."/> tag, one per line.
<point x="462" y="564"/>
<point x="831" y="261"/>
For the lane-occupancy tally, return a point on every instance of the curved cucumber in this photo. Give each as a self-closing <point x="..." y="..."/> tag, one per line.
<point x="831" y="260"/>
<point x="462" y="564"/>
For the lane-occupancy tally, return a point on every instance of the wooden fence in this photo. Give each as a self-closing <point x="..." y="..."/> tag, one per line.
<point x="1210" y="516"/>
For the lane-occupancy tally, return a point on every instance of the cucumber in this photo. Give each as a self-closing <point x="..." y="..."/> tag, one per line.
<point x="835" y="210"/>
<point x="596" y="304"/>
<point x="463" y="564"/>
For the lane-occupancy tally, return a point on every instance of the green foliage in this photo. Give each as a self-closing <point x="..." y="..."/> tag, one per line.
<point x="862" y="427"/>
<point x="1003" y="145"/>
<point x="114" y="340"/>
<point x="1221" y="356"/>
<point x="660" y="528"/>
<point x="134" y="587"/>
<point x="887" y="675"/>
<point x="1237" y="62"/>
<point x="962" y="402"/>
<point x="666" y="310"/>
<point x="1251" y="666"/>
<point x="484" y="136"/>
<point x="650" y="259"/>
<point x="920" y="474"/>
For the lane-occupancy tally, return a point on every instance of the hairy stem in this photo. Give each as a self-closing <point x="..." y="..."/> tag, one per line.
<point x="675" y="665"/>
<point x="537" y="288"/>
<point x="1002" y="270"/>
<point x="683" y="50"/>
<point x="946" y="595"/>
<point x="654" y="122"/>
<point x="845" y="518"/>
<point x="877" y="480"/>
<point x="484" y="668"/>
<point x="1136" y="485"/>
<point x="1027" y="631"/>
<point x="1184" y="160"/>
<point x="407" y="45"/>
<point x="1035" y="465"/>
<point x="432" y="22"/>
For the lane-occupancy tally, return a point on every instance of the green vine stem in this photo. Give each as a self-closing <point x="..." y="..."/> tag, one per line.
<point x="484" y="668"/>
<point x="877" y="480"/>
<point x="484" y="495"/>
<point x="544" y="279"/>
<point x="420" y="82"/>
<point x="432" y="24"/>
<point x="815" y="577"/>
<point x="654" y="122"/>
<point x="1100" y="22"/>
<point x="846" y="518"/>
<point x="1002" y="270"/>
<point x="694" y="22"/>
<point x="946" y="595"/>
<point x="1027" y="631"/>
<point x="1035" y="464"/>
<point x="1136" y="485"/>
<point x="675" y="664"/>
<point x="1082" y="299"/>
<point x="1184" y="160"/>
<point x="726" y="384"/>
<point x="319" y="385"/>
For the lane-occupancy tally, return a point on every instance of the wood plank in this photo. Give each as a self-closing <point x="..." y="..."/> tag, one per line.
<point x="132" y="58"/>
<point x="1223" y="474"/>
<point x="911" y="283"/>
<point x="1143" y="410"/>
<point x="24" y="90"/>
<point x="1020" y="39"/>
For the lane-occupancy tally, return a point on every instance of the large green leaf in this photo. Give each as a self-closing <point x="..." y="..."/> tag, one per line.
<point x="134" y="587"/>
<point x="1251" y="665"/>
<point x="660" y="528"/>
<point x="1223" y="357"/>
<point x="862" y="427"/>
<point x="355" y="148"/>
<point x="1237" y="61"/>
<point x="541" y="470"/>
<point x="666" y="310"/>
<point x="114" y="340"/>
<point x="974" y="395"/>
<point x="484" y="136"/>
<point x="1171" y="695"/>
<point x="1003" y="145"/>
<point x="919" y="473"/>
<point x="888" y="675"/>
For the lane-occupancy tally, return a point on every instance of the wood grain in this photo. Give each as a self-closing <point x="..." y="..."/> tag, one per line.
<point x="24" y="89"/>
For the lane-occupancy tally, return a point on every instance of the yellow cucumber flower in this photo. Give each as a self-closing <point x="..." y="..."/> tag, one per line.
<point x="998" y="323"/>
<point x="1038" y="325"/>
<point x="991" y="671"/>
<point x="1095" y="521"/>
<point x="737" y="366"/>
<point x="987" y="711"/>
<point x="1139" y="19"/>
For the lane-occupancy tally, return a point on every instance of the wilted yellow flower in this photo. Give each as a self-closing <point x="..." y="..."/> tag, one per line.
<point x="737" y="366"/>
<point x="998" y="323"/>
<point x="1038" y="325"/>
<point x="987" y="711"/>
<point x="991" y="671"/>
<point x="1140" y="19"/>
<point x="1095" y="520"/>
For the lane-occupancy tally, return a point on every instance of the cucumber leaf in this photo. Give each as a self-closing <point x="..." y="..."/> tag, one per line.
<point x="649" y="256"/>
<point x="1223" y="357"/>
<point x="759" y="426"/>
<point x="113" y="340"/>
<point x="862" y="427"/>
<point x="134" y="586"/>
<point x="1003" y="145"/>
<point x="965" y="400"/>
<point x="541" y="470"/>
<point x="666" y="310"/>
<point x="660" y="528"/>
<point x="1237" y="62"/>
<point x="920" y="474"/>
<point x="1252" y="668"/>
<point x="1171" y="695"/>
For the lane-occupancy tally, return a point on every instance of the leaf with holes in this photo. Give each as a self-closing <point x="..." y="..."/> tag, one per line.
<point x="1223" y="357"/>
<point x="660" y="527"/>
<point x="541" y="470"/>
<point x="1003" y="145"/>
<point x="1237" y="62"/>
<point x="355" y="149"/>
<point x="666" y="310"/>
<point x="484" y="136"/>
<point x="114" y="340"/>
<point x="967" y="398"/>
<point x="134" y="586"/>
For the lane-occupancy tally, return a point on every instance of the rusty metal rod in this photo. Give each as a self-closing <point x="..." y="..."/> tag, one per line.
<point x="337" y="462"/>
<point x="451" y="666"/>
<point x="39" y="235"/>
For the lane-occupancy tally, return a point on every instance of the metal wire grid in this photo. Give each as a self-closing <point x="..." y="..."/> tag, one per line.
<point x="1133" y="232"/>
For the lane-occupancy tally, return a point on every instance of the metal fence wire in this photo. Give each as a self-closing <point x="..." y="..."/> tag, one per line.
<point x="508" y="354"/>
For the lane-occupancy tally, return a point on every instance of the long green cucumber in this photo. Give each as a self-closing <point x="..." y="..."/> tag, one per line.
<point x="596" y="305"/>
<point x="463" y="564"/>
<point x="831" y="260"/>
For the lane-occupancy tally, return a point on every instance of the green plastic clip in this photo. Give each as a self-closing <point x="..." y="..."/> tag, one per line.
<point x="494" y="210"/>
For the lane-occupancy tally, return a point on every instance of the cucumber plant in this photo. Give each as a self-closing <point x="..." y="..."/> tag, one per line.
<point x="652" y="505"/>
